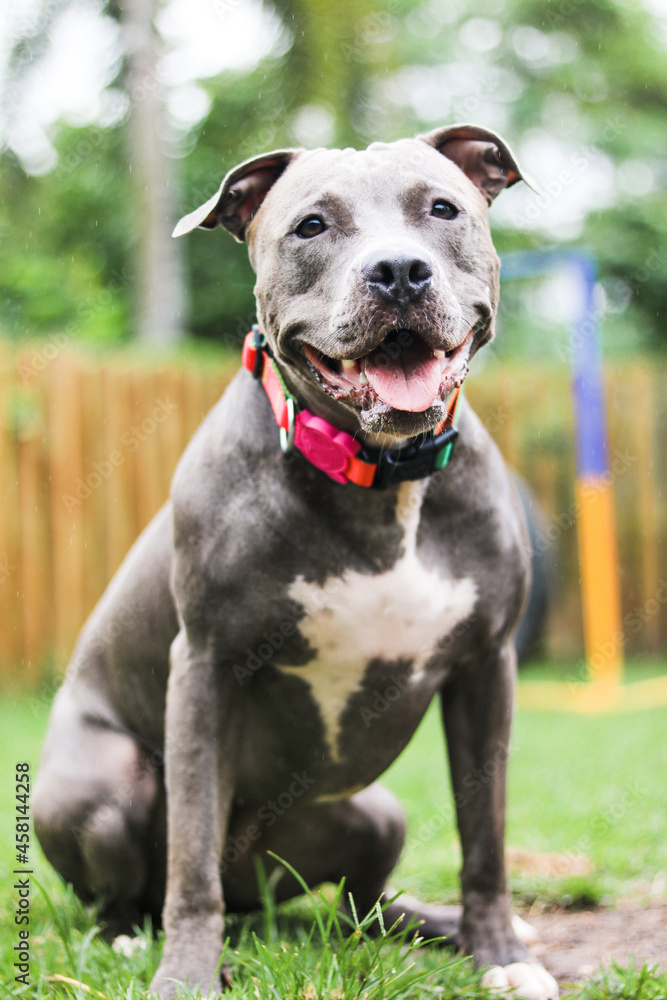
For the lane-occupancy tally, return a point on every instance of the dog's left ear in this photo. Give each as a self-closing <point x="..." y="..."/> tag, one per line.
<point x="482" y="156"/>
<point x="240" y="195"/>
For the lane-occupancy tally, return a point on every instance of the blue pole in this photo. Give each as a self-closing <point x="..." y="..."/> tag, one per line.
<point x="596" y="532"/>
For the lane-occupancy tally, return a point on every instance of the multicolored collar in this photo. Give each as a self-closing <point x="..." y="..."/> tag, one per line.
<point x="337" y="453"/>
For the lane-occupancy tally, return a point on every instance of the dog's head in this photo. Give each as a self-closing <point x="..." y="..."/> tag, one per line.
<point x="376" y="276"/>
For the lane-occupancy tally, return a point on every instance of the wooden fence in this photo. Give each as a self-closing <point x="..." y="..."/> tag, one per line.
<point x="87" y="452"/>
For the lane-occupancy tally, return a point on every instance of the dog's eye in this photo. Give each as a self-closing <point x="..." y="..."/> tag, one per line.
<point x="312" y="226"/>
<point x="444" y="209"/>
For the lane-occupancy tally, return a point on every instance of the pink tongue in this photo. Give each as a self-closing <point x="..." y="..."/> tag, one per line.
<point x="409" y="382"/>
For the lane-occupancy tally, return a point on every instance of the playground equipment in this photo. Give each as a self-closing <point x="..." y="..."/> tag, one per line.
<point x="602" y="689"/>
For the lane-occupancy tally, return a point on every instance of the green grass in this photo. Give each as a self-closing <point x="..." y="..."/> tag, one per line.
<point x="579" y="785"/>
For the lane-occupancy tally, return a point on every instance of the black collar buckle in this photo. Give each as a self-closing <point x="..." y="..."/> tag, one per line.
<point x="418" y="459"/>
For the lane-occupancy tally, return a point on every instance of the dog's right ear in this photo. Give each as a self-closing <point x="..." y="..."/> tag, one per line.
<point x="240" y="195"/>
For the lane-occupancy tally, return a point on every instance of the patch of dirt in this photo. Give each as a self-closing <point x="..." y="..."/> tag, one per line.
<point x="524" y="862"/>
<point x="574" y="945"/>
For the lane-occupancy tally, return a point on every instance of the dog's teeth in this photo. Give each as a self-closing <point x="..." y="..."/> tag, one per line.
<point x="362" y="378"/>
<point x="439" y="354"/>
<point x="348" y="365"/>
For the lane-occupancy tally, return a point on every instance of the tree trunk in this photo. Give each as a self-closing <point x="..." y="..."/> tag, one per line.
<point x="160" y="295"/>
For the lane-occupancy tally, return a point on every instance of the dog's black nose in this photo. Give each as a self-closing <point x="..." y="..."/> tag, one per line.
<point x="397" y="276"/>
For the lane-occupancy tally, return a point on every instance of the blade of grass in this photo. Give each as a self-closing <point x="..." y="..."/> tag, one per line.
<point x="267" y="897"/>
<point x="57" y="921"/>
<point x="306" y="888"/>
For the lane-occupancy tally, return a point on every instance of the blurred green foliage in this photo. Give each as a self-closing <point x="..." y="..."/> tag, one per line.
<point x="589" y="75"/>
<point x="67" y="241"/>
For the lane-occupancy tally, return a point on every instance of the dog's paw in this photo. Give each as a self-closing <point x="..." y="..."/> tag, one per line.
<point x="521" y="979"/>
<point x="166" y="986"/>
<point x="128" y="946"/>
<point x="172" y="989"/>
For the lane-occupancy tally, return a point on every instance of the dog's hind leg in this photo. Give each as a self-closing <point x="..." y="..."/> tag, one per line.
<point x="359" y="838"/>
<point x="96" y="806"/>
<point x="430" y="920"/>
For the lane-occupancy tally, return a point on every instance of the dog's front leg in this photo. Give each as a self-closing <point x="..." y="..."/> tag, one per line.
<point x="477" y="707"/>
<point x="203" y="728"/>
<point x="477" y="711"/>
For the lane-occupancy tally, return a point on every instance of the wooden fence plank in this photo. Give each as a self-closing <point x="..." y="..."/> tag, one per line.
<point x="11" y="632"/>
<point x="149" y="416"/>
<point x="213" y="389"/>
<point x="94" y="509"/>
<point x="120" y="444"/>
<point x="72" y="483"/>
<point x="659" y="436"/>
<point x="194" y="401"/>
<point x="644" y="416"/>
<point x="624" y="465"/>
<point x="169" y="383"/>
<point x="36" y="568"/>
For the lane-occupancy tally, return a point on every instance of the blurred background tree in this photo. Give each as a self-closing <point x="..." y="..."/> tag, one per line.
<point x="576" y="86"/>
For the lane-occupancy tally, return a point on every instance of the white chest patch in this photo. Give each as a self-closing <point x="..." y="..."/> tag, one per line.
<point x="354" y="618"/>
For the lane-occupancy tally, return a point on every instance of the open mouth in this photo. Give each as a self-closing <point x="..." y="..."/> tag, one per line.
<point x="403" y="371"/>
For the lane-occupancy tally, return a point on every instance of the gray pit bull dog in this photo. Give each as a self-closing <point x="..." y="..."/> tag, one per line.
<point x="278" y="631"/>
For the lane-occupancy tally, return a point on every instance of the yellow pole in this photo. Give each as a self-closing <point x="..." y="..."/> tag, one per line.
<point x="601" y="601"/>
